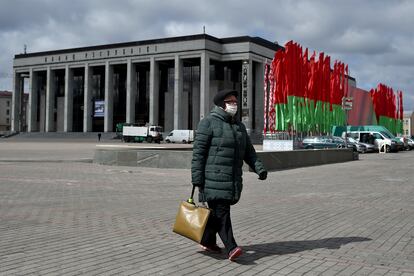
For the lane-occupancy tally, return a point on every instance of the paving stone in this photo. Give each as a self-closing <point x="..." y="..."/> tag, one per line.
<point x="74" y="218"/>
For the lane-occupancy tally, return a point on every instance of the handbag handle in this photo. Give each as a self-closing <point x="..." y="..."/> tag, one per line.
<point x="191" y="200"/>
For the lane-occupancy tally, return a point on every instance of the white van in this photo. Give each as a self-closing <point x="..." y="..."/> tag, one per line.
<point x="180" y="136"/>
<point x="374" y="137"/>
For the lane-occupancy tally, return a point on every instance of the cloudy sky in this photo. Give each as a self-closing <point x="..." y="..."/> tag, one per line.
<point x="374" y="37"/>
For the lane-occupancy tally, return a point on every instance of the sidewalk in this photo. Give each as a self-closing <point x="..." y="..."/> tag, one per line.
<point x="354" y="218"/>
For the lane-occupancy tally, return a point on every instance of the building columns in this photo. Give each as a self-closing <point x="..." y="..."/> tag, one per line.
<point x="131" y="92"/>
<point x="16" y="100"/>
<point x="204" y="85"/>
<point x="178" y="90"/>
<point x="259" y="97"/>
<point x="247" y="94"/>
<point x="87" y="100"/>
<point x="154" y="92"/>
<point x="68" y="113"/>
<point x="33" y="100"/>
<point x="109" y="98"/>
<point x="50" y="100"/>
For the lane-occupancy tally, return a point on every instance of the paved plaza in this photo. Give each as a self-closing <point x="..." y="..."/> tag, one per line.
<point x="63" y="216"/>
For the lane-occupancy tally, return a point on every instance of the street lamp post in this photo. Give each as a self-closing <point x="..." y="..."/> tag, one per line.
<point x="346" y="105"/>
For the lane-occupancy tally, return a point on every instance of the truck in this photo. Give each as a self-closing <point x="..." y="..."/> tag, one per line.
<point x="180" y="136"/>
<point x="142" y="133"/>
<point x="119" y="127"/>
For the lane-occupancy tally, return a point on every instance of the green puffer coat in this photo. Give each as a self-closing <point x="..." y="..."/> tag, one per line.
<point x="221" y="144"/>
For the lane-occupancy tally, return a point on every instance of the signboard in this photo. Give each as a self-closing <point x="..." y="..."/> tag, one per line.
<point x="245" y="70"/>
<point x="347" y="103"/>
<point x="277" y="145"/>
<point x="244" y="105"/>
<point x="99" y="108"/>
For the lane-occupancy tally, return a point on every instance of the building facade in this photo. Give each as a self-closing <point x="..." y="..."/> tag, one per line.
<point x="408" y="123"/>
<point x="168" y="82"/>
<point x="6" y="111"/>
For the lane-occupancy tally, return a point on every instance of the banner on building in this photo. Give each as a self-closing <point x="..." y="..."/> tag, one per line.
<point x="99" y="110"/>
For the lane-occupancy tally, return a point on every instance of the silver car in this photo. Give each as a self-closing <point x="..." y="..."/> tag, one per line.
<point x="408" y="142"/>
<point x="350" y="144"/>
<point x="368" y="147"/>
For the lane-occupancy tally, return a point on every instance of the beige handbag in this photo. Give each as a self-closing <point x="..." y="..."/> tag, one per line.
<point x="191" y="219"/>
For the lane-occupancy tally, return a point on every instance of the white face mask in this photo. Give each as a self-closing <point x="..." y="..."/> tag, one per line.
<point x="231" y="109"/>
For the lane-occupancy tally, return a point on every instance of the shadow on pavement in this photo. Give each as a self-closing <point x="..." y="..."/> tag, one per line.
<point x="254" y="252"/>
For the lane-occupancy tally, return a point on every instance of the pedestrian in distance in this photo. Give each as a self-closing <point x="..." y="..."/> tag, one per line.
<point x="99" y="136"/>
<point x="220" y="147"/>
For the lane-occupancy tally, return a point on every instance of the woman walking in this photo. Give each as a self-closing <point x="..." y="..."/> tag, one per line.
<point x="220" y="147"/>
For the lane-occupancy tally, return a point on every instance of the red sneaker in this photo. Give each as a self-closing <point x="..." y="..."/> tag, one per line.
<point x="213" y="248"/>
<point x="235" y="253"/>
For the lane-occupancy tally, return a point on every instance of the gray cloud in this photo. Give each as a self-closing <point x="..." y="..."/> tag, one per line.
<point x="373" y="37"/>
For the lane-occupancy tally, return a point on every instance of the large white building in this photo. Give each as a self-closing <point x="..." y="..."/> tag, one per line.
<point x="168" y="82"/>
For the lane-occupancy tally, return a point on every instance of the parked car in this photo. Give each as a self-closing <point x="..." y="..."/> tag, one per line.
<point x="318" y="142"/>
<point x="408" y="142"/>
<point x="324" y="142"/>
<point x="368" y="147"/>
<point x="341" y="142"/>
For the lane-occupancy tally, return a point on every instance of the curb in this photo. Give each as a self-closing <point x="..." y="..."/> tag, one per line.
<point x="84" y="160"/>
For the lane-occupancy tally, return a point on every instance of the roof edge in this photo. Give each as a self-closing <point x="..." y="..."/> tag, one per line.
<point x="257" y="40"/>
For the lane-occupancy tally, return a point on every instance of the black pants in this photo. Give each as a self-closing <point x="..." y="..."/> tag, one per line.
<point x="219" y="222"/>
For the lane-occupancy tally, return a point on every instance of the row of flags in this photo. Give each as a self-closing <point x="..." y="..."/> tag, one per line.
<point x="304" y="94"/>
<point x="388" y="107"/>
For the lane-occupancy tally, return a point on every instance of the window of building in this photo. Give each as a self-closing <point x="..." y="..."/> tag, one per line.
<point x="86" y="55"/>
<point x="108" y="53"/>
<point x="52" y="59"/>
<point x="7" y="121"/>
<point x="8" y="112"/>
<point x="73" y="56"/>
<point x="132" y="50"/>
<point x="8" y="103"/>
<point x="59" y="58"/>
<point x="116" y="52"/>
<point x="93" y="54"/>
<point x="123" y="51"/>
<point x="45" y="59"/>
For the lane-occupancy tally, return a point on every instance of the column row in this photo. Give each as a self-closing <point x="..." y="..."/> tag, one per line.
<point x="131" y="92"/>
<point x="44" y="114"/>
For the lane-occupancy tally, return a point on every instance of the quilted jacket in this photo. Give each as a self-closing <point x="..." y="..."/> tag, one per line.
<point x="220" y="147"/>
